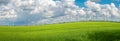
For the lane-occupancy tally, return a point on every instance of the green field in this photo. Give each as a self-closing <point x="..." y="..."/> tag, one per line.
<point x="74" y="31"/>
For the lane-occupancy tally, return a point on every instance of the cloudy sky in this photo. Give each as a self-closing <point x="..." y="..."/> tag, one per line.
<point x="32" y="12"/>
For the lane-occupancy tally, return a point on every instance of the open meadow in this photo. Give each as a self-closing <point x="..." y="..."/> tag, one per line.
<point x="74" y="31"/>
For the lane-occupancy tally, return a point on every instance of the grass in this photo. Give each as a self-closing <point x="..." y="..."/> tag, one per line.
<point x="75" y="31"/>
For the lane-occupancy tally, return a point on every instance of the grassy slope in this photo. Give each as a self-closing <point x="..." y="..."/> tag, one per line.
<point x="76" y="31"/>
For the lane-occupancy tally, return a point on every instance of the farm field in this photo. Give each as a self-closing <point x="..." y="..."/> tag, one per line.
<point x="74" y="31"/>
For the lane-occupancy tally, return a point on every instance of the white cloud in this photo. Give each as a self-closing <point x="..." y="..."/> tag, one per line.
<point x="24" y="12"/>
<point x="106" y="9"/>
<point x="95" y="0"/>
<point x="7" y="12"/>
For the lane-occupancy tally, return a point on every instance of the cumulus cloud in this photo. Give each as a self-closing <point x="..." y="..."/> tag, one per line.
<point x="95" y="0"/>
<point x="24" y="12"/>
<point x="106" y="9"/>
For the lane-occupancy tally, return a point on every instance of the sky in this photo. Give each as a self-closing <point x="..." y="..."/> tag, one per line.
<point x="81" y="2"/>
<point x="35" y="12"/>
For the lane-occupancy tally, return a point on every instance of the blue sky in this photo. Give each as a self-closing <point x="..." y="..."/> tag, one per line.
<point x="81" y="2"/>
<point x="31" y="12"/>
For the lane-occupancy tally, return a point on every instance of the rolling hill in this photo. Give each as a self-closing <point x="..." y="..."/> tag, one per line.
<point x="74" y="31"/>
